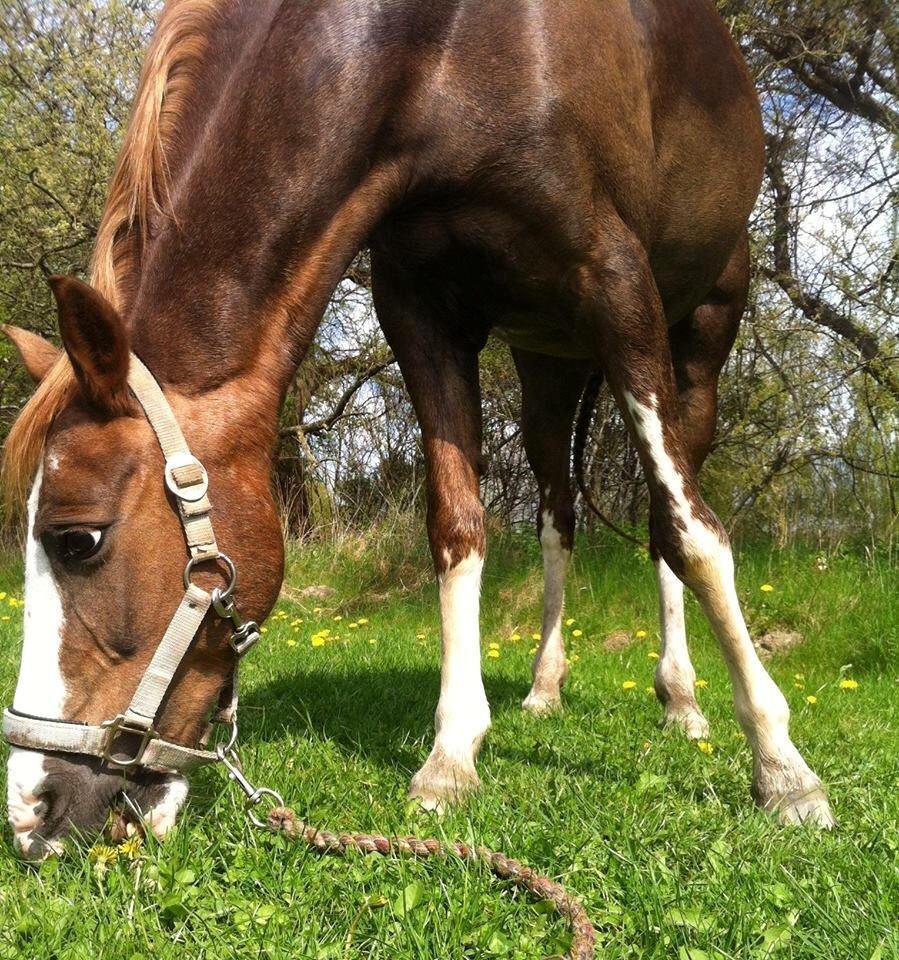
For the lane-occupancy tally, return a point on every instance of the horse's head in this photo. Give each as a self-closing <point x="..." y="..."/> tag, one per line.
<point x="105" y="560"/>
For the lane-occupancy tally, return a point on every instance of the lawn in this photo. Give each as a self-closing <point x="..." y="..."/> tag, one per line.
<point x="659" y="838"/>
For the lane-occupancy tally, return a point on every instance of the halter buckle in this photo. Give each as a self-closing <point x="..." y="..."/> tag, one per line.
<point x="194" y="491"/>
<point x="118" y="727"/>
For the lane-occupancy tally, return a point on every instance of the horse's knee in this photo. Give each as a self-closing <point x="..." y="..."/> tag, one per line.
<point x="456" y="530"/>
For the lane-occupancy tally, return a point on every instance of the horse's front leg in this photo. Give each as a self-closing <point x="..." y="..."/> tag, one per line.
<point x="442" y="378"/>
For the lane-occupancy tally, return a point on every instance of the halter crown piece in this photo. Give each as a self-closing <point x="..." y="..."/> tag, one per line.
<point x="130" y="740"/>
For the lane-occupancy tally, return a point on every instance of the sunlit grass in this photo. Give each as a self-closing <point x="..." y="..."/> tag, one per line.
<point x="658" y="835"/>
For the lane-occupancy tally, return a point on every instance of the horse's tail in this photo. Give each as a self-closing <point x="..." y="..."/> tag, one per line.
<point x="582" y="423"/>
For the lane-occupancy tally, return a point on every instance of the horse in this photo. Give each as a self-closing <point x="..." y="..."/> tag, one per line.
<point x="574" y="178"/>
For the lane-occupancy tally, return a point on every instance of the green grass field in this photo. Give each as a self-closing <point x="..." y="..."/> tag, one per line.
<point x="660" y="839"/>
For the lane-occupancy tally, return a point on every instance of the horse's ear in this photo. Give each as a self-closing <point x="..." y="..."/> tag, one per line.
<point x="97" y="342"/>
<point x="37" y="354"/>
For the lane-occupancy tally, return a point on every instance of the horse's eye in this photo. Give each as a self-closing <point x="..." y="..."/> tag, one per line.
<point x="79" y="544"/>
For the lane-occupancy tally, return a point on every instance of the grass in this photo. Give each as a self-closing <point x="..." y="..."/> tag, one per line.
<point x="660" y="839"/>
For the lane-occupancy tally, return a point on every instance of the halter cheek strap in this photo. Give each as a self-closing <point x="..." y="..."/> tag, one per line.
<point x="130" y="739"/>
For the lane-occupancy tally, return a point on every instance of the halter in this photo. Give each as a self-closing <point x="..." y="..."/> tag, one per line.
<point x="129" y="740"/>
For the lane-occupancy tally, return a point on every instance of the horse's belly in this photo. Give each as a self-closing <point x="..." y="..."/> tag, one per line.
<point x="540" y="337"/>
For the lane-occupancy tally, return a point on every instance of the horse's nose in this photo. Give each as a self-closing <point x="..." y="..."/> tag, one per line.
<point x="50" y="795"/>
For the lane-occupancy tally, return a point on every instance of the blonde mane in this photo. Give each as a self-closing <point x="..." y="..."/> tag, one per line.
<point x="137" y="191"/>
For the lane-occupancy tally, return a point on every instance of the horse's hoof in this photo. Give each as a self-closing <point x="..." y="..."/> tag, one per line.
<point x="541" y="704"/>
<point x="442" y="782"/>
<point x="804" y="806"/>
<point x="689" y="720"/>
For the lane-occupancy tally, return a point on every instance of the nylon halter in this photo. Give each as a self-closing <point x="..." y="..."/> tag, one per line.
<point x="129" y="739"/>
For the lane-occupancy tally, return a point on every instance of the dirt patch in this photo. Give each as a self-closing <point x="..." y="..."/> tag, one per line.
<point x="295" y="594"/>
<point x="778" y="641"/>
<point x="618" y="641"/>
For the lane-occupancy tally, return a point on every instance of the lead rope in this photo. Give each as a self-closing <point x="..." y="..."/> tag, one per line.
<point x="284" y="821"/>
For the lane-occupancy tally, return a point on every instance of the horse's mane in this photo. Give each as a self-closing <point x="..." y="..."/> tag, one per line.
<point x="137" y="191"/>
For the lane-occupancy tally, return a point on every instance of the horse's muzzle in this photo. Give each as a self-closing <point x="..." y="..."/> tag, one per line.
<point x="51" y="795"/>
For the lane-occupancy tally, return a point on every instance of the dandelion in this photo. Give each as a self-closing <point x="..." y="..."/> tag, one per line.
<point x="102" y="856"/>
<point x="515" y="637"/>
<point x="2" y="594"/>
<point x="577" y="633"/>
<point x="419" y="636"/>
<point x="263" y="629"/>
<point x="372" y="640"/>
<point x="701" y="684"/>
<point x="766" y="588"/>
<point x="628" y="684"/>
<point x="493" y="653"/>
<point x="652" y="655"/>
<point x="493" y="645"/>
<point x="650" y="690"/>
<point x="317" y="610"/>
<point x="849" y="684"/>
<point x="317" y="640"/>
<point x="640" y="634"/>
<point x="338" y="618"/>
<point x="536" y="637"/>
<point x="798" y="685"/>
<point x="354" y="626"/>
<point x="533" y="650"/>
<point x="574" y="658"/>
<point x="811" y="699"/>
<point x="362" y="621"/>
<point x="295" y="623"/>
<point x="705" y="747"/>
<point x="131" y="848"/>
<point x="799" y="676"/>
<point x="5" y="617"/>
<point x="568" y="622"/>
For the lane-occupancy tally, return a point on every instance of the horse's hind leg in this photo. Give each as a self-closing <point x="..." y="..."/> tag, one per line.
<point x="550" y="390"/>
<point x="620" y="311"/>
<point x="700" y="345"/>
<point x="441" y="374"/>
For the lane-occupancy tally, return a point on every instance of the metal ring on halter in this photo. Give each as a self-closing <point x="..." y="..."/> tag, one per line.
<point x="194" y="491"/>
<point x="226" y="560"/>
<point x="257" y="796"/>
<point x="223" y="748"/>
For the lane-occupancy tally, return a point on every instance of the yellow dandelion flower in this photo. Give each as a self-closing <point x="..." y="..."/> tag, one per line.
<point x="354" y="626"/>
<point x="2" y="594"/>
<point x="5" y="617"/>
<point x="577" y="633"/>
<point x="493" y="654"/>
<point x="419" y="636"/>
<point x="493" y="645"/>
<point x="628" y="684"/>
<point x="131" y="848"/>
<point x="295" y="623"/>
<point x="338" y="618"/>
<point x="849" y="684"/>
<point x="318" y="640"/>
<point x="292" y="643"/>
<point x="650" y="690"/>
<point x="766" y="588"/>
<point x="532" y="650"/>
<point x="362" y="621"/>
<point x="570" y="621"/>
<point x="372" y="640"/>
<point x="103" y="855"/>
<point x="325" y="633"/>
<point x="798" y="685"/>
<point x="811" y="699"/>
<point x="317" y="610"/>
<point x="13" y="602"/>
<point x="640" y="634"/>
<point x="705" y="747"/>
<point x="535" y="636"/>
<point x="652" y="655"/>
<point x="701" y="684"/>
<point x="799" y="676"/>
<point x="515" y="637"/>
<point x="263" y="629"/>
<point x="574" y="658"/>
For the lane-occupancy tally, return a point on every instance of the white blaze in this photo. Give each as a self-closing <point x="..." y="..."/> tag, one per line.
<point x="41" y="690"/>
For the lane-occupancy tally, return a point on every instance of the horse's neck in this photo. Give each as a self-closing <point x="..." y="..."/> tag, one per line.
<point x="268" y="206"/>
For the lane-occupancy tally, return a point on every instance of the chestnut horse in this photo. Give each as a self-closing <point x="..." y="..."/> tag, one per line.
<point x="575" y="178"/>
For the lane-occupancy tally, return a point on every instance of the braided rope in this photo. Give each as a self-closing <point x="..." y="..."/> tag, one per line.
<point x="283" y="820"/>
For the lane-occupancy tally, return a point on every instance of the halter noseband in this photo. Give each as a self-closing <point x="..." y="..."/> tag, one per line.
<point x="130" y="740"/>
